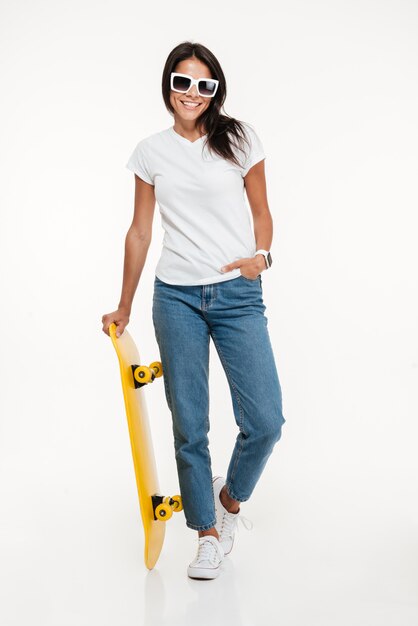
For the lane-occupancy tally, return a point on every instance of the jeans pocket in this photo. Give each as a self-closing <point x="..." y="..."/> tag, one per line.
<point x="250" y="280"/>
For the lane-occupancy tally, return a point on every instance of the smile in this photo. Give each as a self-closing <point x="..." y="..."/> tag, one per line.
<point x="190" y="105"/>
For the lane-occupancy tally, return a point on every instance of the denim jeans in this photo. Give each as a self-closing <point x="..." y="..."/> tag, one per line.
<point x="232" y="313"/>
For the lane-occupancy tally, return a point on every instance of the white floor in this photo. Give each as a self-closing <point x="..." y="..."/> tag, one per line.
<point x="321" y="552"/>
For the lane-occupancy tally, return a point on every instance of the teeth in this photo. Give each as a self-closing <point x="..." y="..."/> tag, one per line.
<point x="190" y="104"/>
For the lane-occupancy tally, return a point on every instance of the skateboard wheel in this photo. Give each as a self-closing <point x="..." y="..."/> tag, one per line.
<point x="163" y="512"/>
<point x="142" y="374"/>
<point x="178" y="505"/>
<point x="157" y="366"/>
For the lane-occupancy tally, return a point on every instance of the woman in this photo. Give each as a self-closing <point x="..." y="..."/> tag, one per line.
<point x="207" y="284"/>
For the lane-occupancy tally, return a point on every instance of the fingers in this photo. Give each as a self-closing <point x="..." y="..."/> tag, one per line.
<point x="231" y="266"/>
<point x="238" y="263"/>
<point x="119" y="330"/>
<point x="119" y="319"/>
<point x="106" y="321"/>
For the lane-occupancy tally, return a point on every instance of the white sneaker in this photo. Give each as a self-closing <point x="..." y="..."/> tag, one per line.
<point x="226" y="522"/>
<point x="208" y="560"/>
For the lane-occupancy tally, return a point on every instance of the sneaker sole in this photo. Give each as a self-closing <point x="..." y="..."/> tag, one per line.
<point x="203" y="574"/>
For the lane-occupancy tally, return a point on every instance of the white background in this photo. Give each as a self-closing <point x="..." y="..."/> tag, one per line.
<point x="331" y="88"/>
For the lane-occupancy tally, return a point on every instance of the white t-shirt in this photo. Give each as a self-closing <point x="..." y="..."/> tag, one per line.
<point x="206" y="221"/>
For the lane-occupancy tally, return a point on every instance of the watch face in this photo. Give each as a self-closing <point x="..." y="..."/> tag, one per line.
<point x="270" y="260"/>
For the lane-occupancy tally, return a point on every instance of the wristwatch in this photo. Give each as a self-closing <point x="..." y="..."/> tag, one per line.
<point x="267" y="257"/>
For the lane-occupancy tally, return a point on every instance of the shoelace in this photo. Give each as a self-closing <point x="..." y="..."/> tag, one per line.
<point x="230" y="523"/>
<point x="207" y="552"/>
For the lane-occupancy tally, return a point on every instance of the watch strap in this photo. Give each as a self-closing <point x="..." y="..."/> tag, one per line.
<point x="266" y="254"/>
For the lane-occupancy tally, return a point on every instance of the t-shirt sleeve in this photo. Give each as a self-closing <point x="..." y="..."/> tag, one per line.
<point x="254" y="153"/>
<point x="139" y="163"/>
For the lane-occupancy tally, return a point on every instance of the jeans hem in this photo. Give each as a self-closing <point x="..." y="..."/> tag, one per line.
<point x="201" y="526"/>
<point x="234" y="495"/>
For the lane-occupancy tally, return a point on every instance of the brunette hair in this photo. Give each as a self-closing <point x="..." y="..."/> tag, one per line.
<point x="223" y="132"/>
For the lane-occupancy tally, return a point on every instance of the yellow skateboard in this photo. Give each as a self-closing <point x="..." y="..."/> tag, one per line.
<point x="155" y="508"/>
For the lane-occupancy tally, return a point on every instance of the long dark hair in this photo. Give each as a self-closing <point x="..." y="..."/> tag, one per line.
<point x="223" y="131"/>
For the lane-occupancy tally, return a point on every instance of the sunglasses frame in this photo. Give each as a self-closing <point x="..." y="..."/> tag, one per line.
<point x="194" y="81"/>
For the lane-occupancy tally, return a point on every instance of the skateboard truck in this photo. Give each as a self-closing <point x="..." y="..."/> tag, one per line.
<point x="144" y="374"/>
<point x="164" y="506"/>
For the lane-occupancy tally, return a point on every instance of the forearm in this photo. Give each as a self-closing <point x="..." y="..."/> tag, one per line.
<point x="263" y="232"/>
<point x="136" y="250"/>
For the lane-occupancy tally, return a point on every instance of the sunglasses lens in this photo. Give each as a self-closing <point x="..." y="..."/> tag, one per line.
<point x="182" y="83"/>
<point x="207" y="87"/>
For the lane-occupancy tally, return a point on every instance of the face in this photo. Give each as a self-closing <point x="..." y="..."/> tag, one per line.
<point x="195" y="68"/>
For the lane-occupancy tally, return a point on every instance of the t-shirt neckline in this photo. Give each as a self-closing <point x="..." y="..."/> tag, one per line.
<point x="184" y="140"/>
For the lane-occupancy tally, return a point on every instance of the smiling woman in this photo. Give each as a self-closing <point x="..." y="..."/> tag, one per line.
<point x="207" y="285"/>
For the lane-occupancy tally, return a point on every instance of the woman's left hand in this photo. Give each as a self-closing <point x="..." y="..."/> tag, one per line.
<point x="252" y="266"/>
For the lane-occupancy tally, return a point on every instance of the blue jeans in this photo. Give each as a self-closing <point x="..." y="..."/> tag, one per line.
<point x="232" y="313"/>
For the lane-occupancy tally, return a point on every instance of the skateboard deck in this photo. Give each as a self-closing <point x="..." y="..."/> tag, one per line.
<point x="155" y="509"/>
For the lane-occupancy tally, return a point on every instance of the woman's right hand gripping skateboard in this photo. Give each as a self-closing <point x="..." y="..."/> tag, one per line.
<point x="120" y="317"/>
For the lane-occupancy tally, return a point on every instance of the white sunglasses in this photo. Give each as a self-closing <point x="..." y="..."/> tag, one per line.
<point x="181" y="83"/>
